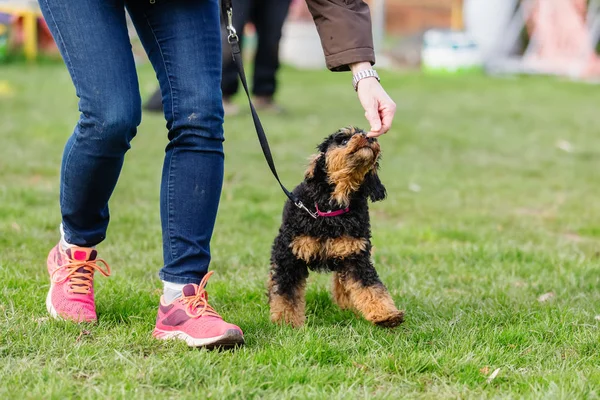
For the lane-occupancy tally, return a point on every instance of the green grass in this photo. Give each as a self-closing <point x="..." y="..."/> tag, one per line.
<point x="485" y="214"/>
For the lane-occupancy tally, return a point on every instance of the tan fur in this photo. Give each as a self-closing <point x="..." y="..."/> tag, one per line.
<point x="374" y="302"/>
<point x="339" y="293"/>
<point x="344" y="246"/>
<point x="350" y="130"/>
<point x="306" y="248"/>
<point x="284" y="310"/>
<point x="347" y="166"/>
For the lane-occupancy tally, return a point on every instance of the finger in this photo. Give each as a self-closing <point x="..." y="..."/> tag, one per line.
<point x="386" y="121"/>
<point x="373" y="118"/>
<point x="374" y="134"/>
<point x="387" y="116"/>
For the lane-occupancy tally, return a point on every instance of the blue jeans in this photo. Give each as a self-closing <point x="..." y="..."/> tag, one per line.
<point x="182" y="40"/>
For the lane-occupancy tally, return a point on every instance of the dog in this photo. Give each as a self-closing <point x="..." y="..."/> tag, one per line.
<point x="335" y="237"/>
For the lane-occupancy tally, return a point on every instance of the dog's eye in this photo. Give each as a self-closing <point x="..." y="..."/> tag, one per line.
<point x="342" y="140"/>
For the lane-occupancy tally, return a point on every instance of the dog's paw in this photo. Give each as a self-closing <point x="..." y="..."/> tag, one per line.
<point x="292" y="319"/>
<point x="391" y="320"/>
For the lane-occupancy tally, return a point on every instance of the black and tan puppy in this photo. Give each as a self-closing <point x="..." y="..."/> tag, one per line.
<point x="336" y="237"/>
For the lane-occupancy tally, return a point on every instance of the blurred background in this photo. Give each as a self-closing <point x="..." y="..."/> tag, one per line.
<point x="557" y="37"/>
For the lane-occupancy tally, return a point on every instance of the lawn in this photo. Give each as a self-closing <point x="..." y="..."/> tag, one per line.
<point x="489" y="239"/>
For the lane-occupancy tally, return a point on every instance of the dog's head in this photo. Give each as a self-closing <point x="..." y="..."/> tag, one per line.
<point x="348" y="161"/>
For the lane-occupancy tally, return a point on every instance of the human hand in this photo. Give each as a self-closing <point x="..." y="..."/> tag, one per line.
<point x="379" y="107"/>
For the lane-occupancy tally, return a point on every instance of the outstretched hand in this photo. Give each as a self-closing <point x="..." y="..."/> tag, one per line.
<point x="379" y="107"/>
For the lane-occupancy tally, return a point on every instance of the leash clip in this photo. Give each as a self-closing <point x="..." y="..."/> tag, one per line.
<point x="299" y="204"/>
<point x="232" y="37"/>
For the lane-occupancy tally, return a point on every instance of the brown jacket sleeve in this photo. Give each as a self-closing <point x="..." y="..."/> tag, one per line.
<point x="345" y="30"/>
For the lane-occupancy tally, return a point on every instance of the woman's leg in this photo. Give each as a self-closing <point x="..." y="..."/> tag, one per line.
<point x="93" y="40"/>
<point x="182" y="39"/>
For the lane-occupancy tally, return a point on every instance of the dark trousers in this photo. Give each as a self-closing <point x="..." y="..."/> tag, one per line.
<point x="268" y="16"/>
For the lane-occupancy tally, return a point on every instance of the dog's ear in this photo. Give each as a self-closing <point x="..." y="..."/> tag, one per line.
<point x="316" y="162"/>
<point x="322" y="148"/>
<point x="373" y="187"/>
<point x="312" y="165"/>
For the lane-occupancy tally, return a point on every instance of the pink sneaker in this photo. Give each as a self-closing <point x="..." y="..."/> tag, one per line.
<point x="192" y="319"/>
<point x="71" y="295"/>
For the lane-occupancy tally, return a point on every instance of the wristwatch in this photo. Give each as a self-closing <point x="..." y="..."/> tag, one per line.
<point x="360" y="75"/>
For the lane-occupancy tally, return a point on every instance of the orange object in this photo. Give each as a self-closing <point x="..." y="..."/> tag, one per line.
<point x="457" y="15"/>
<point x="29" y="31"/>
<point x="29" y="17"/>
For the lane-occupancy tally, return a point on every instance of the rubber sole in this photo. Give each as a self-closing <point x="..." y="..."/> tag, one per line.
<point x="231" y="338"/>
<point x="49" y="306"/>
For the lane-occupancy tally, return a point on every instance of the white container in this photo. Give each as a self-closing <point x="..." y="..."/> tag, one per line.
<point x="486" y="21"/>
<point x="449" y="51"/>
<point x="300" y="45"/>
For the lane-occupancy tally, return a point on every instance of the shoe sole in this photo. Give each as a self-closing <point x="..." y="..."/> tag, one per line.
<point x="49" y="306"/>
<point x="231" y="338"/>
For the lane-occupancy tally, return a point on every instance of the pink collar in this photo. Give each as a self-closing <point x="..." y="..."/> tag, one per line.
<point x="332" y="213"/>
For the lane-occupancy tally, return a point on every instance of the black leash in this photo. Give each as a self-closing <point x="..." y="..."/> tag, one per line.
<point x="232" y="38"/>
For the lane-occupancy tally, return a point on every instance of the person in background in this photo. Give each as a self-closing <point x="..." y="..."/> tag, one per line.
<point x="267" y="17"/>
<point x="183" y="41"/>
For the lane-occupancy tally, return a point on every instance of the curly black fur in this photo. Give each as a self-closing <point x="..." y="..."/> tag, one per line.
<point x="343" y="173"/>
